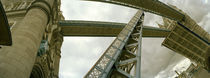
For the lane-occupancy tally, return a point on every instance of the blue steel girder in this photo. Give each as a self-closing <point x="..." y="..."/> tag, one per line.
<point x="152" y="6"/>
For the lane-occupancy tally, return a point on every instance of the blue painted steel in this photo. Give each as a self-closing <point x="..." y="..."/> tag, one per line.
<point x="204" y="40"/>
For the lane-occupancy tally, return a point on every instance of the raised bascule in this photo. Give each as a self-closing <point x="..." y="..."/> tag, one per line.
<point x="38" y="27"/>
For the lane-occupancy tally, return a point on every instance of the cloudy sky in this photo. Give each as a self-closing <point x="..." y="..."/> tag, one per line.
<point x="80" y="53"/>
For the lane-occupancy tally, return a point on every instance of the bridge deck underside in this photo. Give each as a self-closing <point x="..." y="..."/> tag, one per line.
<point x="152" y="6"/>
<point x="104" y="29"/>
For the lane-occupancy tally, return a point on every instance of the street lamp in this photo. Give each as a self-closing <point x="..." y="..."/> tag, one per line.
<point x="5" y="34"/>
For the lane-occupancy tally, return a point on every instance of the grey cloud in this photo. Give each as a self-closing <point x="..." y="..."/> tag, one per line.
<point x="96" y="11"/>
<point x="80" y="53"/>
<point x="154" y="57"/>
<point x="152" y="19"/>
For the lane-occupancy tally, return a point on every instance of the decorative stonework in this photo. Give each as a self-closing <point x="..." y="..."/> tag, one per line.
<point x="14" y="6"/>
<point x="51" y="58"/>
<point x="47" y="61"/>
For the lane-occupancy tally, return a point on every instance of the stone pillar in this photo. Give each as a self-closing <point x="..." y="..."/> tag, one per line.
<point x="17" y="61"/>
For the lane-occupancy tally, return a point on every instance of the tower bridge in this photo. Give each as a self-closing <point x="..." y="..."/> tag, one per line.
<point x="38" y="26"/>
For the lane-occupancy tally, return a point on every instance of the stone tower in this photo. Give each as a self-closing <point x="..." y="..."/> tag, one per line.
<point x="37" y="40"/>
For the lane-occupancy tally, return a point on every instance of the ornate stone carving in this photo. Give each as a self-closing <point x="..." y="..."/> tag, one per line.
<point x="20" y="5"/>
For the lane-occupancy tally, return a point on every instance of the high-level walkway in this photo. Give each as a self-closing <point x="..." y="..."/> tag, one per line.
<point x="104" y="29"/>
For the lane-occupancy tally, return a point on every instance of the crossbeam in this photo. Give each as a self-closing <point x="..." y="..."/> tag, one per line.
<point x="104" y="29"/>
<point x="152" y="6"/>
<point x="116" y="62"/>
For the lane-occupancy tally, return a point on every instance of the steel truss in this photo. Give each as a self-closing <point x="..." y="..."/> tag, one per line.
<point x="122" y="59"/>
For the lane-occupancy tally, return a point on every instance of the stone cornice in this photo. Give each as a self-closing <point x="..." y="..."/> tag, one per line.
<point x="21" y="12"/>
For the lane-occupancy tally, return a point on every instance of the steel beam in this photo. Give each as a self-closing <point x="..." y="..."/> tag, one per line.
<point x="104" y="29"/>
<point x="127" y="61"/>
<point x="115" y="63"/>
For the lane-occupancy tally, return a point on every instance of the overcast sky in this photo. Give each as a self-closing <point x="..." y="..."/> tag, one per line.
<point x="80" y="53"/>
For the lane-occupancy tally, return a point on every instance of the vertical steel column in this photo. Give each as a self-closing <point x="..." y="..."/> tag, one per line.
<point x="119" y="59"/>
<point x="138" y="56"/>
